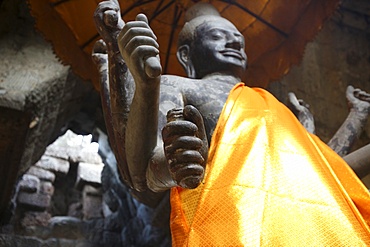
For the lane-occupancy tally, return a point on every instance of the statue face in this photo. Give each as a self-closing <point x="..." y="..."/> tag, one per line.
<point x="218" y="47"/>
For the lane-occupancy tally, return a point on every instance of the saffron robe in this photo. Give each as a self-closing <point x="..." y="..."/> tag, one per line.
<point x="269" y="182"/>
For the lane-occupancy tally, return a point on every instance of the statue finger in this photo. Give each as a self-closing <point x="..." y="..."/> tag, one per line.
<point x="105" y="6"/>
<point x="140" y="53"/>
<point x="293" y="102"/>
<point x="142" y="17"/>
<point x="350" y="93"/>
<point x="303" y="103"/>
<point x="188" y="175"/>
<point x="185" y="156"/>
<point x="113" y="19"/>
<point x="362" y="95"/>
<point x="182" y="143"/>
<point x="175" y="114"/>
<point x="133" y="25"/>
<point x="140" y="41"/>
<point x="100" y="47"/>
<point x="192" y="114"/>
<point x="99" y="55"/>
<point x="178" y="128"/>
<point x="138" y="34"/>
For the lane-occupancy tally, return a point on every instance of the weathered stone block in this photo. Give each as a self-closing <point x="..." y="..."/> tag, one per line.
<point x="29" y="183"/>
<point x="88" y="154"/>
<point x="53" y="164"/>
<point x="15" y="240"/>
<point x="89" y="173"/>
<point x="75" y="210"/>
<point x="42" y="174"/>
<point x="57" y="151"/>
<point x="36" y="201"/>
<point x="46" y="188"/>
<point x="66" y="227"/>
<point x="91" y="202"/>
<point x="32" y="218"/>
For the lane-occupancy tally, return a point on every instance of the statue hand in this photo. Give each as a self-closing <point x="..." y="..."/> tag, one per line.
<point x="108" y="20"/>
<point x="358" y="100"/>
<point x="186" y="147"/>
<point x="139" y="48"/>
<point x="302" y="111"/>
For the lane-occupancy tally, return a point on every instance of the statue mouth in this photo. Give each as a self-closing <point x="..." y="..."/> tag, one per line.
<point x="233" y="53"/>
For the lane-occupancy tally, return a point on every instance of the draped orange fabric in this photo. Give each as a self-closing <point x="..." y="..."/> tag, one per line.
<point x="270" y="183"/>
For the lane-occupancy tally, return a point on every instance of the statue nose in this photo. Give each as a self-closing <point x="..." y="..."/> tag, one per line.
<point x="234" y="42"/>
<point x="234" y="45"/>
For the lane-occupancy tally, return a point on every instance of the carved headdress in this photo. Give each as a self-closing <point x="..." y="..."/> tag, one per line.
<point x="194" y="17"/>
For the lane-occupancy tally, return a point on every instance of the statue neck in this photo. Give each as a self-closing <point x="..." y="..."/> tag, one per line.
<point x="223" y="78"/>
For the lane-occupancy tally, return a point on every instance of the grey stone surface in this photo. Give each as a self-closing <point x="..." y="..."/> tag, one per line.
<point x="19" y="241"/>
<point x="53" y="164"/>
<point x="89" y="173"/>
<point x="35" y="201"/>
<point x="91" y="203"/>
<point x="67" y="227"/>
<point x="75" y="210"/>
<point x="88" y="154"/>
<point x="46" y="188"/>
<point x="29" y="183"/>
<point x="34" y="218"/>
<point x="75" y="148"/>
<point x="42" y="174"/>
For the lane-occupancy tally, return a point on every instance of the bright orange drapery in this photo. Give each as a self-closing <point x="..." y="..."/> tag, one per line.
<point x="270" y="183"/>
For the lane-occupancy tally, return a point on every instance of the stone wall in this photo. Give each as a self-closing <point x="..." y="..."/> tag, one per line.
<point x="72" y="197"/>
<point x="339" y="56"/>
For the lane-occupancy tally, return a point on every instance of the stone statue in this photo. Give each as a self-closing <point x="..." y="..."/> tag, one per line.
<point x="206" y="89"/>
<point x="302" y="111"/>
<point x="261" y="161"/>
<point x="359" y="109"/>
<point x="343" y="140"/>
<point x="238" y="162"/>
<point x="202" y="95"/>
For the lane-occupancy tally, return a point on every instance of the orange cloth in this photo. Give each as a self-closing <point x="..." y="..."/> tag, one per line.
<point x="270" y="183"/>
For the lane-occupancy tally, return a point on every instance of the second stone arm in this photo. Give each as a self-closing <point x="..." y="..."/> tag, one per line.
<point x="352" y="127"/>
<point x="178" y="158"/>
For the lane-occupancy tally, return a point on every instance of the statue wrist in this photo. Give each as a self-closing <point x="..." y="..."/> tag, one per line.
<point x="360" y="113"/>
<point x="158" y="176"/>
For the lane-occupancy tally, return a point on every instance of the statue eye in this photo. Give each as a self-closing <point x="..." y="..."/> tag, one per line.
<point x="217" y="35"/>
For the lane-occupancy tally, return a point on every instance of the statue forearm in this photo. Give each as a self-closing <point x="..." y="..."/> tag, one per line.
<point x="359" y="161"/>
<point x="351" y="128"/>
<point x="142" y="132"/>
<point x="121" y="89"/>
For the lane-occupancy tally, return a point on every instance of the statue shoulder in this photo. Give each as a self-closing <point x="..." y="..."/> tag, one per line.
<point x="178" y="83"/>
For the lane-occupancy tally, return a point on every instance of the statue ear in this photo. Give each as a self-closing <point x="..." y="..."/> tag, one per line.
<point x="183" y="55"/>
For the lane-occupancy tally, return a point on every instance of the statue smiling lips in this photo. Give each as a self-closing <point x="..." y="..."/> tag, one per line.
<point x="262" y="169"/>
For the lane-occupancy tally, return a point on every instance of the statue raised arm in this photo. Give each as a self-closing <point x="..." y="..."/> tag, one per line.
<point x="144" y="145"/>
<point x="302" y="111"/>
<point x="352" y="127"/>
<point x="117" y="86"/>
